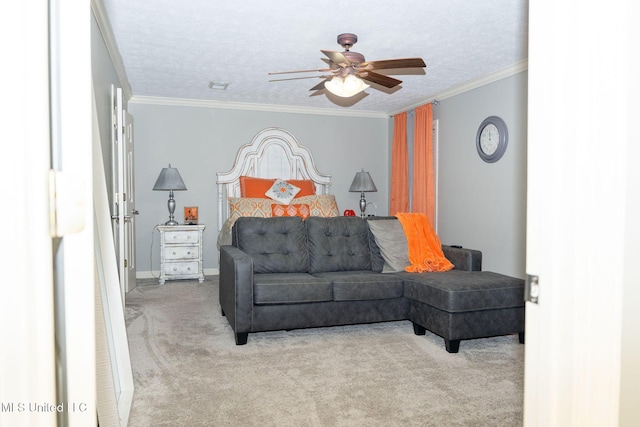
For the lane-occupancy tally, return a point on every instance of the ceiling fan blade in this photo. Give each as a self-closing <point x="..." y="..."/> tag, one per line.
<point x="380" y="79"/>
<point x="395" y="63"/>
<point x="299" y="78"/>
<point x="320" y="70"/>
<point x="337" y="57"/>
<point x="320" y="85"/>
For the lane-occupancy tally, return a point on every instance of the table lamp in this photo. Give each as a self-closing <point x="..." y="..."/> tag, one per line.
<point x="170" y="180"/>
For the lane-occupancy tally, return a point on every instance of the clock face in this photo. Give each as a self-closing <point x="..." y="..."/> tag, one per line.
<point x="492" y="139"/>
<point x="489" y="138"/>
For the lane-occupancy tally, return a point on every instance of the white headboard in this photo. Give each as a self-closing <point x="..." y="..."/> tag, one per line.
<point x="273" y="153"/>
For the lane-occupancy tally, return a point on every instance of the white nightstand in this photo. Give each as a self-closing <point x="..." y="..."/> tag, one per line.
<point x="181" y="252"/>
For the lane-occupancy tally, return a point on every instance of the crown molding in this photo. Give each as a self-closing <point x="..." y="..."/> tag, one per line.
<point x="452" y="91"/>
<point x="100" y="13"/>
<point x="516" y="68"/>
<point x="154" y="100"/>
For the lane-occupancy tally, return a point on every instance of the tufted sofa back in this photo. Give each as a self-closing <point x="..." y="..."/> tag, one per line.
<point x="338" y="244"/>
<point x="276" y="245"/>
<point x="316" y="245"/>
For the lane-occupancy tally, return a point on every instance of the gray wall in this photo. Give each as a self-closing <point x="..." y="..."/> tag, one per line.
<point x="201" y="141"/>
<point x="483" y="205"/>
<point x="480" y="205"/>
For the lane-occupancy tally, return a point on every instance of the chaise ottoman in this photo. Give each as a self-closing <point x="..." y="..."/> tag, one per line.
<point x="459" y="305"/>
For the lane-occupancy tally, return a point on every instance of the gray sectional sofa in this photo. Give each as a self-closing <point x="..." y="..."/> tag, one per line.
<point x="286" y="273"/>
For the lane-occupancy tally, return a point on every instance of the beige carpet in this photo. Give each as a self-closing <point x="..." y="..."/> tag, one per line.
<point x="188" y="371"/>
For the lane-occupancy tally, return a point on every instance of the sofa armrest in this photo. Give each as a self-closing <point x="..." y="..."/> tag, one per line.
<point x="462" y="258"/>
<point x="236" y="288"/>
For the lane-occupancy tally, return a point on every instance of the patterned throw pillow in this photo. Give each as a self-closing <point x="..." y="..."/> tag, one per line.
<point x="290" y="210"/>
<point x="282" y="192"/>
<point x="321" y="205"/>
<point x="242" y="206"/>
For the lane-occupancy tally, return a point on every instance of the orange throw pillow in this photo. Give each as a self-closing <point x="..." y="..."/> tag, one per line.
<point x="256" y="187"/>
<point x="306" y="186"/>
<point x="290" y="210"/>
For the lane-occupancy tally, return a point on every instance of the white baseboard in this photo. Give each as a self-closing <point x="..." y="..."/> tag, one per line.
<point x="156" y="274"/>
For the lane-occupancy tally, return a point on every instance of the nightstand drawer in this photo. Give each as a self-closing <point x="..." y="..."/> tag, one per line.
<point x="182" y="268"/>
<point x="181" y="237"/>
<point x="181" y="252"/>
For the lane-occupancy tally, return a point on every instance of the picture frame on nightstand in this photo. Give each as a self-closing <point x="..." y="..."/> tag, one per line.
<point x="191" y="215"/>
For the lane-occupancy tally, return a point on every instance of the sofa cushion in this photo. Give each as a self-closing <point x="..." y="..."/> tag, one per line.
<point x="290" y="288"/>
<point x="338" y="244"/>
<point x="460" y="291"/>
<point x="276" y="245"/>
<point x="390" y="238"/>
<point x="363" y="285"/>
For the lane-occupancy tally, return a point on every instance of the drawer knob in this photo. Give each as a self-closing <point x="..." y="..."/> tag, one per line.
<point x="174" y="252"/>
<point x="175" y="269"/>
<point x="188" y="252"/>
<point x="188" y="237"/>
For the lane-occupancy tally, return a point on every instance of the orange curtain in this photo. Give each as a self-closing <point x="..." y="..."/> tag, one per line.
<point x="423" y="199"/>
<point x="399" y="196"/>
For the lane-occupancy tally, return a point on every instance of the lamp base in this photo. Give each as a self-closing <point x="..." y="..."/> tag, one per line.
<point x="171" y="204"/>
<point x="363" y="204"/>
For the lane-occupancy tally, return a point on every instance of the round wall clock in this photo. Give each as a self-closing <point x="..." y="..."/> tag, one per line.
<point x="492" y="139"/>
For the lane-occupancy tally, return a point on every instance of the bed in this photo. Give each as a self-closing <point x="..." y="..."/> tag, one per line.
<point x="274" y="153"/>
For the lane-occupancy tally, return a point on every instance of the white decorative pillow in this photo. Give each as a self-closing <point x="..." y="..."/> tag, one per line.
<point x="283" y="192"/>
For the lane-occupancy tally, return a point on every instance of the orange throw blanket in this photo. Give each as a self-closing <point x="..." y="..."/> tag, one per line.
<point x="425" y="249"/>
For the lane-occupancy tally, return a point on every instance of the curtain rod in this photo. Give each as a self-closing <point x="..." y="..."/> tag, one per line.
<point x="434" y="102"/>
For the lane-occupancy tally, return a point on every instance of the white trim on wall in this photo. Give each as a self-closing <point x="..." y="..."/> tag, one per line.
<point x="516" y="68"/>
<point x="183" y="102"/>
<point x="452" y="91"/>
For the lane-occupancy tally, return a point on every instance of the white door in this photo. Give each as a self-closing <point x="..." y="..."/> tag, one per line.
<point x="47" y="300"/>
<point x="578" y="171"/>
<point x="130" y="211"/>
<point x="124" y="211"/>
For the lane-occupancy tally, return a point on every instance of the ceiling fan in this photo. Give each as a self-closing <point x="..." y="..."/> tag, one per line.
<point x="349" y="70"/>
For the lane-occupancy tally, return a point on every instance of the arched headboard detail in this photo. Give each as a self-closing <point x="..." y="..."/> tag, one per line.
<point x="273" y="153"/>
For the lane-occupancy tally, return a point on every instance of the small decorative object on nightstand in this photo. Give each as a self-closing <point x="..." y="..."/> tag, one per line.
<point x="191" y="215"/>
<point x="181" y="252"/>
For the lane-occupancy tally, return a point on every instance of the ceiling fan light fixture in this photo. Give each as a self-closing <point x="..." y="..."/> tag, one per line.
<point x="345" y="87"/>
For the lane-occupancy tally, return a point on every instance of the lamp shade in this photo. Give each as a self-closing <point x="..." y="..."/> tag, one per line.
<point x="345" y="87"/>
<point x="169" y="180"/>
<point x="362" y="182"/>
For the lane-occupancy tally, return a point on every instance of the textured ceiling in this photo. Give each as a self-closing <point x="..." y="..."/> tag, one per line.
<point x="173" y="49"/>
